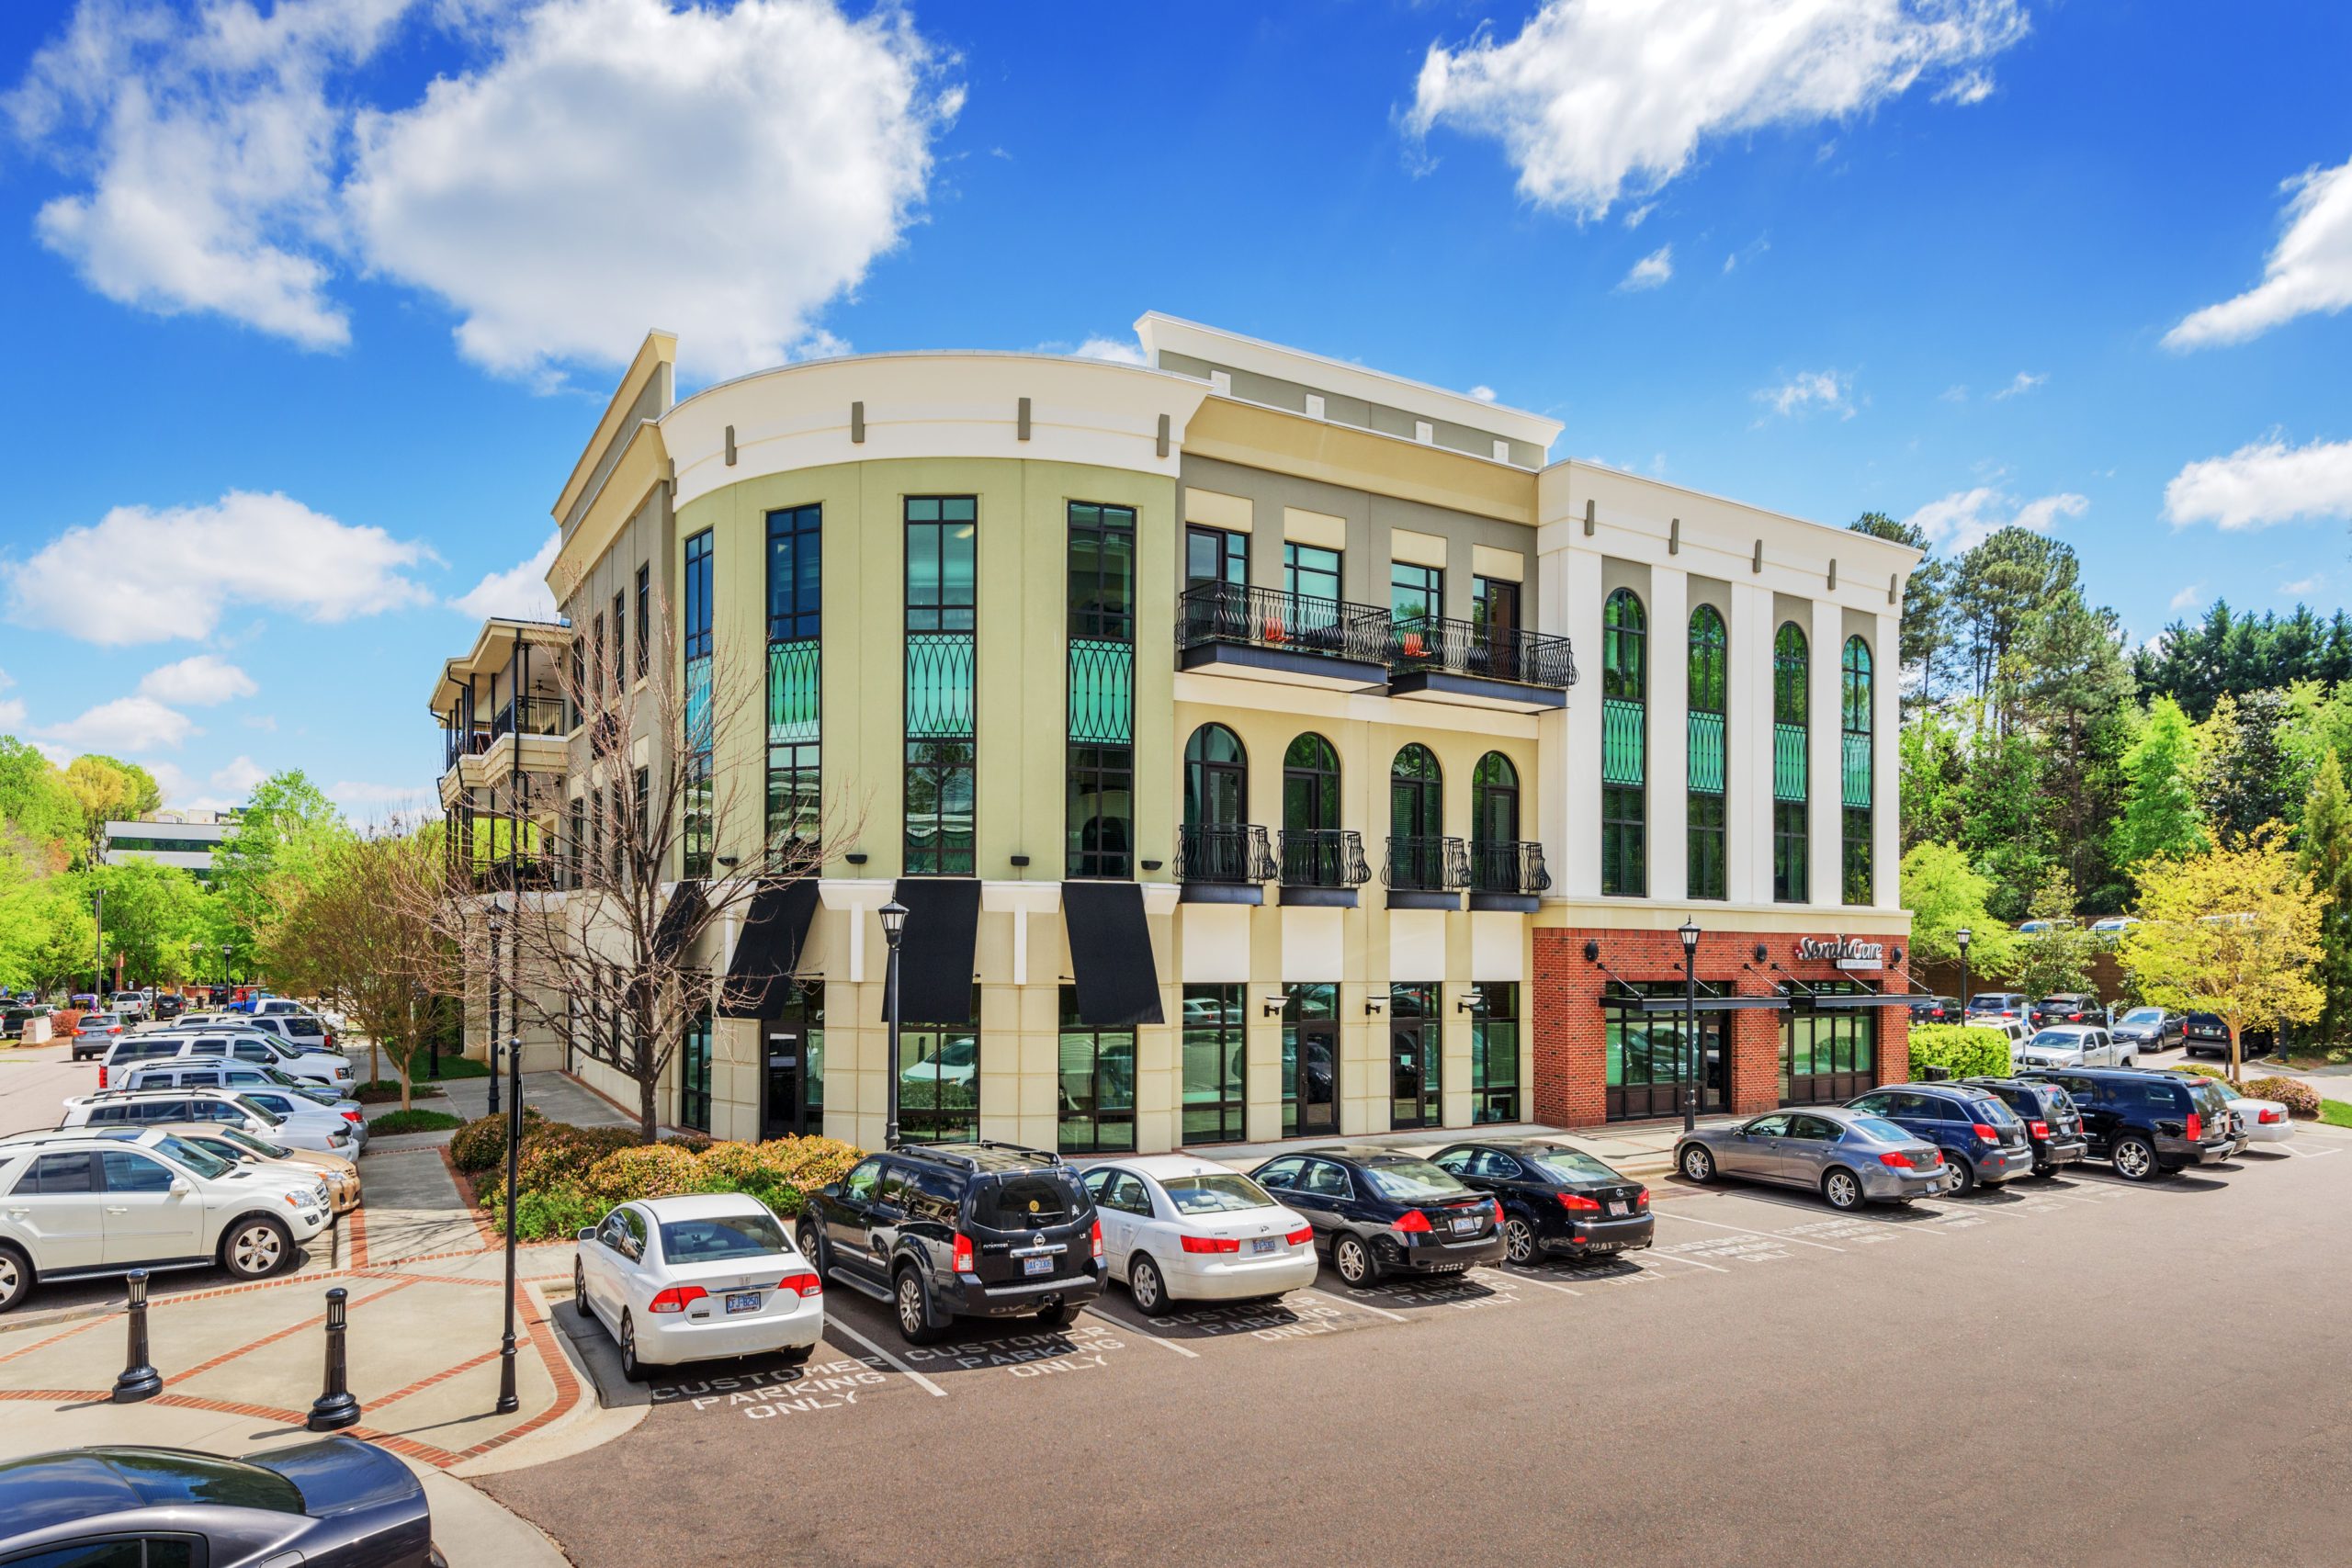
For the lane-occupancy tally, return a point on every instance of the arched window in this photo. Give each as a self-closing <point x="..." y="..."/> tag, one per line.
<point x="1791" y="676"/>
<point x="1315" y="852"/>
<point x="1625" y="744"/>
<point x="1854" y="758"/>
<point x="1415" y="820"/>
<point x="1709" y="689"/>
<point x="1216" y="779"/>
<point x="1499" y="861"/>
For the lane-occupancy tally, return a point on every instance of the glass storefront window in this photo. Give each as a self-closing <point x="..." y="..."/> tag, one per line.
<point x="939" y="1080"/>
<point x="1098" y="1085"/>
<point x="694" y="1077"/>
<point x="1309" y="1002"/>
<point x="1214" y="1101"/>
<point x="1494" y="1052"/>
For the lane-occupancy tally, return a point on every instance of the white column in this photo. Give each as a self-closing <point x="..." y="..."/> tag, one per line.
<point x="1570" y="737"/>
<point x="1886" y="761"/>
<point x="1669" y="748"/>
<point x="1826" y="785"/>
<point x="1747" y="748"/>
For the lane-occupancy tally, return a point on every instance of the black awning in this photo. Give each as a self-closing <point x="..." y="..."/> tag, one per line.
<point x="678" y="917"/>
<point x="935" y="953"/>
<point x="776" y="928"/>
<point x="1714" y="1004"/>
<point x="1863" y="999"/>
<point x="1110" y="954"/>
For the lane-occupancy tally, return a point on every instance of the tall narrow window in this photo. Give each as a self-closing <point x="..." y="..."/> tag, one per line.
<point x="694" y="1073"/>
<point x="1100" y="806"/>
<point x="1313" y="852"/>
<point x="1854" y="769"/>
<point x="1415" y="820"/>
<point x="620" y="642"/>
<point x="644" y="620"/>
<point x="1710" y="688"/>
<point x="1494" y="620"/>
<point x="1494" y="1052"/>
<point x="796" y="580"/>
<point x="696" y="814"/>
<point x="1216" y="555"/>
<point x="1624" y="745"/>
<point x="1214" y="1057"/>
<point x="939" y="1080"/>
<point x="1098" y="1085"/>
<point x="1217" y="841"/>
<point x="942" y="746"/>
<point x="1499" y="861"/>
<point x="1790" y="828"/>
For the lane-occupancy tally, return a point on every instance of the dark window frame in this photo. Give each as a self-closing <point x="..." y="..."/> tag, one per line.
<point x="1230" y="1100"/>
<point x="1113" y="1127"/>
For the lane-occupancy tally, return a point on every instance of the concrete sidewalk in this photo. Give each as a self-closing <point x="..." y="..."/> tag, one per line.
<point x="1636" y="1148"/>
<point x="557" y="1096"/>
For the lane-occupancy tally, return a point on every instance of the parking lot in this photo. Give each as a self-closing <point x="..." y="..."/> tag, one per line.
<point x="2074" y="1369"/>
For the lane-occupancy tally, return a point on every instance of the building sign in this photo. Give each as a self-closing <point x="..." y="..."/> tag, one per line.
<point x="1845" y="952"/>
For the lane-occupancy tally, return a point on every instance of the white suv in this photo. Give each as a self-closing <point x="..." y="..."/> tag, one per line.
<point x="83" y="1202"/>
<point x="306" y="1125"/>
<point x="2074" y="1045"/>
<point x="326" y="1069"/>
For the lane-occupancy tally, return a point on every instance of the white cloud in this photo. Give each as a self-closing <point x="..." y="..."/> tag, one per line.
<point x="1956" y="393"/>
<point x="1969" y="87"/>
<point x="377" y="802"/>
<point x="1118" y="351"/>
<point x="1596" y="101"/>
<point x="1651" y="270"/>
<point x="233" y="166"/>
<point x="12" y="712"/>
<point x="2189" y="597"/>
<point x="199" y="680"/>
<point x="177" y="571"/>
<point x="2261" y="483"/>
<point x="1634" y="218"/>
<point x="238" y="776"/>
<point x="1807" y="389"/>
<point x="2019" y="384"/>
<point x="1483" y="393"/>
<point x="2304" y="585"/>
<point x="518" y="593"/>
<point x="1962" y="520"/>
<point x="126" y="724"/>
<point x="268" y="721"/>
<point x="2310" y="269"/>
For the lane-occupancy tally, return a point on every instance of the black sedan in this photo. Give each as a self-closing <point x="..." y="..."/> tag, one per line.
<point x="1557" y="1201"/>
<point x="336" y="1502"/>
<point x="1378" y="1211"/>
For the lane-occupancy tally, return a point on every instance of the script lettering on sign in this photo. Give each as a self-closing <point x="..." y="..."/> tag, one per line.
<point x="1845" y="952"/>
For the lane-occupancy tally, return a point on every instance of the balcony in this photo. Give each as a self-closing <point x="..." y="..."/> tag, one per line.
<point x="1507" y="874"/>
<point x="461" y="740"/>
<point x="1322" y="867"/>
<point x="529" y="716"/>
<point x="1221" y="863"/>
<point x="1426" y="873"/>
<point x="1301" y="639"/>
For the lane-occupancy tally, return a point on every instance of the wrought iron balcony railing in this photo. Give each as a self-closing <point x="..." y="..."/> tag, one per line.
<point x="1425" y="864"/>
<point x="462" y="740"/>
<point x="1225" y="852"/>
<point x="530" y="715"/>
<point x="1275" y="619"/>
<point x="1324" y="857"/>
<point x="1465" y="647"/>
<point x="1502" y="865"/>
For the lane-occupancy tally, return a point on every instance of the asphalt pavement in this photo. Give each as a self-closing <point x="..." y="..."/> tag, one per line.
<point x="2071" y="1370"/>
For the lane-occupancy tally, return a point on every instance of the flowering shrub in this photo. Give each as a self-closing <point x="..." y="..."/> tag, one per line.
<point x="482" y="1142"/>
<point x="573" y="1176"/>
<point x="2299" y="1098"/>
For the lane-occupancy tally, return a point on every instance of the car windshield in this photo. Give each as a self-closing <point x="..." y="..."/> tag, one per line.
<point x="204" y="1162"/>
<point x="2225" y="1090"/>
<point x="1886" y="1131"/>
<point x="2059" y="1039"/>
<point x="165" y="1478"/>
<point x="1994" y="1112"/>
<point x="255" y="1108"/>
<point x="1411" y="1180"/>
<point x="261" y="1146"/>
<point x="722" y="1236"/>
<point x="1220" y="1194"/>
<point x="1989" y="1002"/>
<point x="1572" y="1166"/>
<point x="2144" y="1015"/>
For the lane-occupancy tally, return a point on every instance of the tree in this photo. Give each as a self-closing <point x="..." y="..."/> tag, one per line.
<point x="1925" y="635"/>
<point x="108" y="790"/>
<point x="1935" y="772"/>
<point x="40" y="819"/>
<point x="1944" y="894"/>
<point x="2233" y="931"/>
<point x="47" y="939"/>
<point x="2003" y="824"/>
<point x="2243" y="775"/>
<point x="2160" y="817"/>
<point x="2327" y="860"/>
<point x="2058" y="956"/>
<point x="154" y="914"/>
<point x="1998" y="589"/>
<point x="282" y="841"/>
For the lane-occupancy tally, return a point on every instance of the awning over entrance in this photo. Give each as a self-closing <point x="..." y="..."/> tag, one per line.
<point x="1863" y="999"/>
<point x="935" y="954"/>
<point x="678" y="917"/>
<point x="1110" y="954"/>
<point x="1712" y="998"/>
<point x="775" y="929"/>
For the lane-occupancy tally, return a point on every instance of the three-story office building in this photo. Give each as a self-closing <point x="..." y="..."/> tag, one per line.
<point x="1263" y="746"/>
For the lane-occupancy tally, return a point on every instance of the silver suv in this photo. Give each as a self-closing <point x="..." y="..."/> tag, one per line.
<point x="85" y="1201"/>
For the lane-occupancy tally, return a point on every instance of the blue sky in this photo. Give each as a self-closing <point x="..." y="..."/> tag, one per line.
<point x="321" y="300"/>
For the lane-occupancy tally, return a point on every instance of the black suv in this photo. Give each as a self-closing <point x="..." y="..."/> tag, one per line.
<point x="2051" y="1123"/>
<point x="2204" y="1032"/>
<point x="2066" y="1007"/>
<point x="943" y="1231"/>
<point x="2147" y="1124"/>
<point x="1981" y="1138"/>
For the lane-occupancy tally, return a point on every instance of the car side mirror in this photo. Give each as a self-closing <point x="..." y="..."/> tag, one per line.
<point x="585" y="1233"/>
<point x="180" y="1189"/>
<point x="830" y="1190"/>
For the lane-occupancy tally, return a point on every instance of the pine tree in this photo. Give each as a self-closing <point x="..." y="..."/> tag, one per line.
<point x="2326" y="859"/>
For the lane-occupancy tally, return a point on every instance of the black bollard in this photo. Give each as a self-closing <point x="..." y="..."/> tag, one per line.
<point x="139" y="1380"/>
<point x="334" y="1408"/>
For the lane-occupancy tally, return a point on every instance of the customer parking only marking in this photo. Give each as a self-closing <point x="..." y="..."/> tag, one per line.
<point x="1077" y="1349"/>
<point x="766" y="1393"/>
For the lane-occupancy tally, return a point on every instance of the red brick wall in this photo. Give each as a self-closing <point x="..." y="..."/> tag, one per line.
<point x="1569" y="1050"/>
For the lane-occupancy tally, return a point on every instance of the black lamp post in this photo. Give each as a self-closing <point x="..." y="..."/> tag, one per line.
<point x="1689" y="932"/>
<point x="497" y="929"/>
<point x="894" y="926"/>
<point x="507" y="1401"/>
<point x="1960" y="936"/>
<point x="224" y="973"/>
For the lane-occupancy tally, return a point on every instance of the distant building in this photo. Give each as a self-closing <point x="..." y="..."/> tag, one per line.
<point x="184" y="839"/>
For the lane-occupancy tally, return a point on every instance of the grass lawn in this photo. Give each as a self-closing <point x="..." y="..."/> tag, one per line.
<point x="2336" y="1112"/>
<point x="414" y="1121"/>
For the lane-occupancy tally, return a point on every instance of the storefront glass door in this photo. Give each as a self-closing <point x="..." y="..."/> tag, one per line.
<point x="1648" y="1063"/>
<point x="1413" y="1034"/>
<point x="1310" y="1060"/>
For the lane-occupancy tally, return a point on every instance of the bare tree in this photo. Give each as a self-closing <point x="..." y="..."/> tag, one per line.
<point x="604" y="880"/>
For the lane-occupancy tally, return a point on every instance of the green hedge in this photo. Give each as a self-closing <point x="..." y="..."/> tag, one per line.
<point x="1962" y="1049"/>
<point x="571" y="1176"/>
<point x="417" y="1121"/>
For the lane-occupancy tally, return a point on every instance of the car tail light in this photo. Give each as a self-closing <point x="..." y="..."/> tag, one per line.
<point x="351" y="1116"/>
<point x="2039" y="1129"/>
<point x="2195" y="1129"/>
<point x="1577" y="1203"/>
<point x="1209" y="1244"/>
<point x="1498" y="1213"/>
<point x="1098" y="1241"/>
<point x="1896" y="1159"/>
<point x="1301" y="1236"/>
<point x="806" y="1284"/>
<point x="677" y="1298"/>
<point x="1413" y="1220"/>
<point x="1986" y="1133"/>
<point x="102" y="1075"/>
<point x="2270" y="1118"/>
<point x="1935" y="1158"/>
<point x="1642" y="1199"/>
<point x="962" y="1263"/>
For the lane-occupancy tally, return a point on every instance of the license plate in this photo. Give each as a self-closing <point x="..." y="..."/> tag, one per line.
<point x="1601" y="1246"/>
<point x="1464" y="1227"/>
<point x="1265" y="1244"/>
<point x="1620" y="1209"/>
<point x="748" y="1301"/>
<point x="1037" y="1266"/>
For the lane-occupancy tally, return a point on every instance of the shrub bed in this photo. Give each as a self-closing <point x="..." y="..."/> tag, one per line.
<point x="482" y="1142"/>
<point x="2299" y="1098"/>
<point x="1964" y="1050"/>
<point x="394" y="1123"/>
<point x="572" y="1177"/>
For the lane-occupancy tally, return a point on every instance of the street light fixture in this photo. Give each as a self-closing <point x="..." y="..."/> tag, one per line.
<point x="497" y="929"/>
<point x="1689" y="932"/>
<point x="98" y="959"/>
<point x="894" y="926"/>
<point x="1960" y="936"/>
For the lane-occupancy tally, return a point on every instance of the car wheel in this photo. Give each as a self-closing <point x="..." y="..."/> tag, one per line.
<point x="1519" y="1240"/>
<point x="2135" y="1160"/>
<point x="1698" y="1164"/>
<point x="914" y="1323"/>
<point x="1352" y="1256"/>
<point x="16" y="1277"/>
<point x="632" y="1367"/>
<point x="1148" y="1288"/>
<point x="580" y="1290"/>
<point x="812" y="1248"/>
<point x="1842" y="1189"/>
<point x="1054" y="1316"/>
<point x="1963" y="1176"/>
<point x="255" y="1247"/>
<point x="797" y="1355"/>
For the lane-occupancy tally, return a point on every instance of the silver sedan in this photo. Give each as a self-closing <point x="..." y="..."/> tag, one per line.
<point x="1848" y="1158"/>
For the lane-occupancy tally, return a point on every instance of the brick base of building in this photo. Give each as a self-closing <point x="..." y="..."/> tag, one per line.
<point x="1571" y="1050"/>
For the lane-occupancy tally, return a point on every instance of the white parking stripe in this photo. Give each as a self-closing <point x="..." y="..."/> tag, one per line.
<point x="1133" y="1327"/>
<point x="1675" y="1257"/>
<point x="1743" y="1230"/>
<point x="1531" y="1278"/>
<point x="832" y="1323"/>
<point x="1334" y="1301"/>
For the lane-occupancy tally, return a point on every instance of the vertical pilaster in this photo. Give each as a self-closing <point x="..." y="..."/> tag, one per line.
<point x="1570" y="738"/>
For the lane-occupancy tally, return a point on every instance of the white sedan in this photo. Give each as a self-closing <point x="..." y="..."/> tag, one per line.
<point x="1176" y="1228"/>
<point x="697" y="1279"/>
<point x="2259" y="1121"/>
